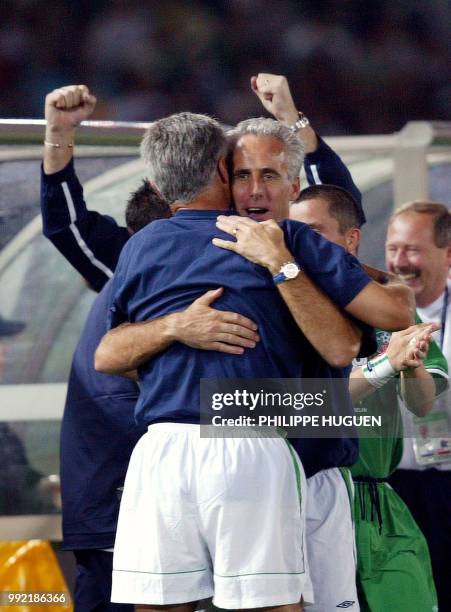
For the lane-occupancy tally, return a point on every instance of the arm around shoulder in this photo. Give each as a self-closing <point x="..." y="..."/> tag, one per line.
<point x="388" y="307"/>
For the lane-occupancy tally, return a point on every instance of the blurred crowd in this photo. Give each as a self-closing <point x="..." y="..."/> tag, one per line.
<point x="357" y="66"/>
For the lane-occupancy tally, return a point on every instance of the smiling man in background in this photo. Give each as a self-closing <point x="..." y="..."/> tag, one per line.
<point x="418" y="251"/>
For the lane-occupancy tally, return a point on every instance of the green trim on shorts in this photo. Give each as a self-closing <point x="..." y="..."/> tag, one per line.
<point x="297" y="471"/>
<point x="347" y="477"/>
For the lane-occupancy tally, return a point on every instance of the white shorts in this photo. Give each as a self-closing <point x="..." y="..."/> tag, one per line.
<point x="204" y="517"/>
<point x="331" y="541"/>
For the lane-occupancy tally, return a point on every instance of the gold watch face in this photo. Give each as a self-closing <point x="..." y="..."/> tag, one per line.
<point x="290" y="270"/>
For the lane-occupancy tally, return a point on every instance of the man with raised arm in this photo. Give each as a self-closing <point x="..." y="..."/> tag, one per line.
<point x="160" y="270"/>
<point x="202" y="517"/>
<point x="261" y="188"/>
<point x="92" y="242"/>
<point x="281" y="186"/>
<point x="337" y="357"/>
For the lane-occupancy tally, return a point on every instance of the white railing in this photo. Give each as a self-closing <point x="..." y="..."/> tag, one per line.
<point x="409" y="147"/>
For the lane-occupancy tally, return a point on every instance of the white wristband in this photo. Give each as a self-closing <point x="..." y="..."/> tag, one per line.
<point x="378" y="371"/>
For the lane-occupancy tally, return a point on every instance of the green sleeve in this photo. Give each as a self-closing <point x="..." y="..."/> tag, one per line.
<point x="435" y="361"/>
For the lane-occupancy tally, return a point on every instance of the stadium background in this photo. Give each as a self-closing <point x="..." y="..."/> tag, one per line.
<point x="358" y="67"/>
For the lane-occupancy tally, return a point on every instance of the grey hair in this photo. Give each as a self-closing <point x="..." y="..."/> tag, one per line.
<point x="261" y="126"/>
<point x="181" y="153"/>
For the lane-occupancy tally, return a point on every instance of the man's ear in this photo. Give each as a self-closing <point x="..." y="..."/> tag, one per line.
<point x="295" y="189"/>
<point x="222" y="171"/>
<point x="353" y="239"/>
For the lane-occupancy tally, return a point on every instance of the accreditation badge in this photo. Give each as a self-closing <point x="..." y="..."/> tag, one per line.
<point x="432" y="434"/>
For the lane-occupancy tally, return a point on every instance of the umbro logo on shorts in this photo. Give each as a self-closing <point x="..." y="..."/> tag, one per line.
<point x="346" y="604"/>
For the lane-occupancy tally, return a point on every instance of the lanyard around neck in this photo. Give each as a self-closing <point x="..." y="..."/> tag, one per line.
<point x="443" y="317"/>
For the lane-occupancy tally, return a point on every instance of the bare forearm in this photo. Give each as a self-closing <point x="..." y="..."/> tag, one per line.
<point x="309" y="139"/>
<point x="57" y="158"/>
<point x="359" y="387"/>
<point x="306" y="135"/>
<point x="130" y="345"/>
<point x="314" y="312"/>
<point x="65" y="108"/>
<point x="274" y="93"/>
<point x="316" y="315"/>
<point x="399" y="306"/>
<point x="405" y="353"/>
<point x="199" y="326"/>
<point x="418" y="390"/>
<point x="326" y="327"/>
<point x="388" y="307"/>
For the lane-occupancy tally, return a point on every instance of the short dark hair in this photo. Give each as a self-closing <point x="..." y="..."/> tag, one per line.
<point x="441" y="219"/>
<point x="145" y="205"/>
<point x="342" y="205"/>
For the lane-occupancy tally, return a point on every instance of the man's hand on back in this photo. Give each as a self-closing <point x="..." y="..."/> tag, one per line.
<point x="125" y="348"/>
<point x="203" y="327"/>
<point x="262" y="243"/>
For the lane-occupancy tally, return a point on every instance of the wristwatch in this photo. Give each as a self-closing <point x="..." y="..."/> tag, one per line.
<point x="287" y="272"/>
<point x="301" y="123"/>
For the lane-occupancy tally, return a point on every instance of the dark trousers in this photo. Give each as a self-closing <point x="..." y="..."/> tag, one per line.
<point x="428" y="496"/>
<point x="93" y="584"/>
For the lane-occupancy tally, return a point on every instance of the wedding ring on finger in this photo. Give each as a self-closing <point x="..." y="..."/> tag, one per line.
<point x="413" y="341"/>
<point x="234" y="231"/>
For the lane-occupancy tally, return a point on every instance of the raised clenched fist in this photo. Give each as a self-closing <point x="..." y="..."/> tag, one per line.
<point x="274" y="93"/>
<point x="67" y="107"/>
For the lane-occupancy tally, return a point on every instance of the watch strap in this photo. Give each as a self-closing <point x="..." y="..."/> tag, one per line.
<point x="279" y="278"/>
<point x="300" y="124"/>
